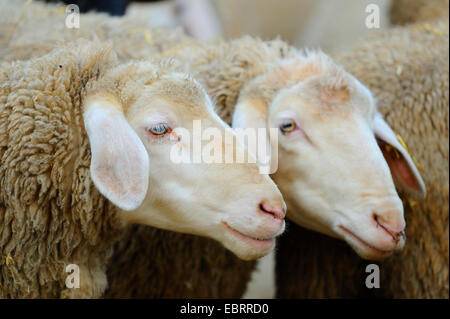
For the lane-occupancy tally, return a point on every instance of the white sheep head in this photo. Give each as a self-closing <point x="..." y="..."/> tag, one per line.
<point x="130" y="117"/>
<point x="331" y="168"/>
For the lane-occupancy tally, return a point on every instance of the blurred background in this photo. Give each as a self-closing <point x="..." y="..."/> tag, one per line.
<point x="328" y="24"/>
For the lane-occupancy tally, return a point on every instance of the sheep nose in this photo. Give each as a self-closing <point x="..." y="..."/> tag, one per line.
<point x="393" y="226"/>
<point x="277" y="211"/>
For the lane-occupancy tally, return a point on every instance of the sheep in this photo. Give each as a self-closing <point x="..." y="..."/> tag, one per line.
<point x="227" y="94"/>
<point x="242" y="71"/>
<point x="407" y="69"/>
<point x="212" y="270"/>
<point x="248" y="66"/>
<point x="245" y="101"/>
<point x="207" y="270"/>
<point x="82" y="138"/>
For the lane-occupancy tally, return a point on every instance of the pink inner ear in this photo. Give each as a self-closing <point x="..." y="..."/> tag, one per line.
<point x="400" y="169"/>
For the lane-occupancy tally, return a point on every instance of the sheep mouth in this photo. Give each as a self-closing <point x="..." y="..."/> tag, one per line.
<point x="262" y="243"/>
<point x="374" y="250"/>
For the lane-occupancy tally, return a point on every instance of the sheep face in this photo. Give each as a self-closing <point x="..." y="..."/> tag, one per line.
<point x="331" y="168"/>
<point x="232" y="203"/>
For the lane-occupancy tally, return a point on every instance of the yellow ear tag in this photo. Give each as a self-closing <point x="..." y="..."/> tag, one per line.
<point x="399" y="138"/>
<point x="390" y="149"/>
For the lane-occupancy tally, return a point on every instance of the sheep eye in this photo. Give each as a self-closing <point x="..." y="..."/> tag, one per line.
<point x="287" y="126"/>
<point x="159" y="129"/>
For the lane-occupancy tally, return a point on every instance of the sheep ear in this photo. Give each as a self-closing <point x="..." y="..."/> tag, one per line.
<point x="119" y="162"/>
<point x="405" y="173"/>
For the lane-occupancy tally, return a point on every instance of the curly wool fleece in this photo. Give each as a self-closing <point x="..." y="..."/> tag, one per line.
<point x="51" y="215"/>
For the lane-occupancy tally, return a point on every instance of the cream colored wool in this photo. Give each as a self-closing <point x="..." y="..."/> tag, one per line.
<point x="42" y="27"/>
<point x="224" y="68"/>
<point x="407" y="69"/>
<point x="136" y="39"/>
<point x="51" y="215"/>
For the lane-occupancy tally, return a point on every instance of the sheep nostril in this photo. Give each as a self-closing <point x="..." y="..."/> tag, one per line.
<point x="395" y="234"/>
<point x="276" y="211"/>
